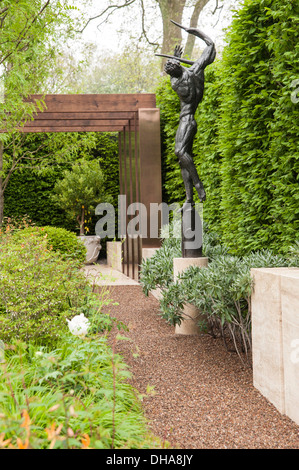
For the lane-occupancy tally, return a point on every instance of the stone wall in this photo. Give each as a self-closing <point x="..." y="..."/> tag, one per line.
<point x="275" y="337"/>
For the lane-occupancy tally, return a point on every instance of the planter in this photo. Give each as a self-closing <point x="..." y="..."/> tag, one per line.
<point x="93" y="247"/>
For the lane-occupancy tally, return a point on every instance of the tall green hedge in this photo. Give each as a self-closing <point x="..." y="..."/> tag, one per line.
<point x="29" y="191"/>
<point x="246" y="148"/>
<point x="259" y="128"/>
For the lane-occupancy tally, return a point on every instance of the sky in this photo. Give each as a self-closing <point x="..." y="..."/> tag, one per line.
<point x="114" y="35"/>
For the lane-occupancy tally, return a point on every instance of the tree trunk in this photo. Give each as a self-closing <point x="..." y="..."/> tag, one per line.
<point x="81" y="221"/>
<point x="172" y="34"/>
<point x="200" y="4"/>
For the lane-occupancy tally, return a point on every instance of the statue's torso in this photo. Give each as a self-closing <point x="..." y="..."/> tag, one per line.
<point x="189" y="88"/>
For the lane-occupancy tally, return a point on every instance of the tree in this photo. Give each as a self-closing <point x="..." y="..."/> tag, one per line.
<point x="81" y="189"/>
<point x="31" y="35"/>
<point x="164" y="10"/>
<point x="131" y="71"/>
<point x="40" y="153"/>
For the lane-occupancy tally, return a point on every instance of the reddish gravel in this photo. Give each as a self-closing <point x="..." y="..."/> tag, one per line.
<point x="204" y="398"/>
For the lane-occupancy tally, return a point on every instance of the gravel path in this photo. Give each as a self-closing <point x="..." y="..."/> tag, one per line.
<point x="203" y="397"/>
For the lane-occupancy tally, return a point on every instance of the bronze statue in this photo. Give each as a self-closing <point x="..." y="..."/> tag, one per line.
<point x="188" y="83"/>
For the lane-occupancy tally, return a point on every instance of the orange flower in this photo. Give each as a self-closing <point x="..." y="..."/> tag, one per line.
<point x="21" y="445"/>
<point x="85" y="441"/>
<point x="4" y="443"/>
<point x="53" y="433"/>
<point x="26" y="423"/>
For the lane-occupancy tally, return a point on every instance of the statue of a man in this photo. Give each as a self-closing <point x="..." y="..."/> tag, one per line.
<point x="188" y="83"/>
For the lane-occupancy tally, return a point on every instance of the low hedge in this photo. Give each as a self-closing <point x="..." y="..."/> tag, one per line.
<point x="60" y="240"/>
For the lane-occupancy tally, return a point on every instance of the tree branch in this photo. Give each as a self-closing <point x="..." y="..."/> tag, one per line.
<point x="22" y="35"/>
<point x="110" y="7"/>
<point x="200" y="4"/>
<point x="143" y="27"/>
<point x="217" y="7"/>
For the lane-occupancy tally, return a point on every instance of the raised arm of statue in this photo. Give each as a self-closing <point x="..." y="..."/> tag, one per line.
<point x="209" y="53"/>
<point x="178" y="51"/>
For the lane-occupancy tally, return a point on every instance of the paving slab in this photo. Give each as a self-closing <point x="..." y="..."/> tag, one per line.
<point x="103" y="275"/>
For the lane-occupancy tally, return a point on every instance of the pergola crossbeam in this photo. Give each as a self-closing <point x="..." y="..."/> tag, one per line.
<point x="137" y="121"/>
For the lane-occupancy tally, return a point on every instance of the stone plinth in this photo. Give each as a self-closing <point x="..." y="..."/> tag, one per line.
<point x="275" y="337"/>
<point x="290" y="341"/>
<point x="189" y="325"/>
<point x="114" y="255"/>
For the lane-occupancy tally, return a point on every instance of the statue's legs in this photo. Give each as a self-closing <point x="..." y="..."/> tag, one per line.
<point x="183" y="150"/>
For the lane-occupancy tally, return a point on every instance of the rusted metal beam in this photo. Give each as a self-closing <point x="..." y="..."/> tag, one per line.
<point x="150" y="165"/>
<point x="111" y="128"/>
<point x="77" y="123"/>
<point x="44" y="115"/>
<point x="96" y="102"/>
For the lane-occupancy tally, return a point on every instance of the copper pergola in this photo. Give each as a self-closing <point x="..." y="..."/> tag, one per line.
<point x="136" y="119"/>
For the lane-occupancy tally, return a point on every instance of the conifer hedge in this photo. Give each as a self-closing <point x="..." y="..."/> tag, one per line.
<point x="246" y="148"/>
<point x="29" y="191"/>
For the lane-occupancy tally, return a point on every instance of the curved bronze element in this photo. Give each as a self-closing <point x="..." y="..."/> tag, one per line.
<point x="184" y="61"/>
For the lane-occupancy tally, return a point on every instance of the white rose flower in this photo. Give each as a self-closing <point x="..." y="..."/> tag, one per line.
<point x="79" y="325"/>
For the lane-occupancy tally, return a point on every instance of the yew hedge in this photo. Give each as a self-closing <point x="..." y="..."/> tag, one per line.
<point x="246" y="148"/>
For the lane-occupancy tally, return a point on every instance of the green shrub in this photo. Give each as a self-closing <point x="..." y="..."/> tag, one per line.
<point x="30" y="189"/>
<point x="246" y="147"/>
<point x="80" y="191"/>
<point x="258" y="131"/>
<point x="73" y="397"/>
<point x="221" y="291"/>
<point x="64" y="242"/>
<point x="58" y="390"/>
<point x="38" y="290"/>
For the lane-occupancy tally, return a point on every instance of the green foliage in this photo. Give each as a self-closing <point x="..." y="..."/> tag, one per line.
<point x="58" y="239"/>
<point x="30" y="189"/>
<point x="246" y="148"/>
<point x="38" y="290"/>
<point x="81" y="189"/>
<point x="221" y="291"/>
<point x="31" y="34"/>
<point x="73" y="397"/>
<point x="157" y="271"/>
<point x="259" y="131"/>
<point x="30" y="194"/>
<point x="106" y="151"/>
<point x="31" y="165"/>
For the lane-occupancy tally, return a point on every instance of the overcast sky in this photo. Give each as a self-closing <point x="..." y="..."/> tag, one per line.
<point x="114" y="34"/>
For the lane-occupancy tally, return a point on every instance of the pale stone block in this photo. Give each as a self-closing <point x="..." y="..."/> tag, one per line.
<point x="275" y="337"/>
<point x="189" y="325"/>
<point x="267" y="353"/>
<point x="114" y="255"/>
<point x="290" y="334"/>
<point x="148" y="252"/>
